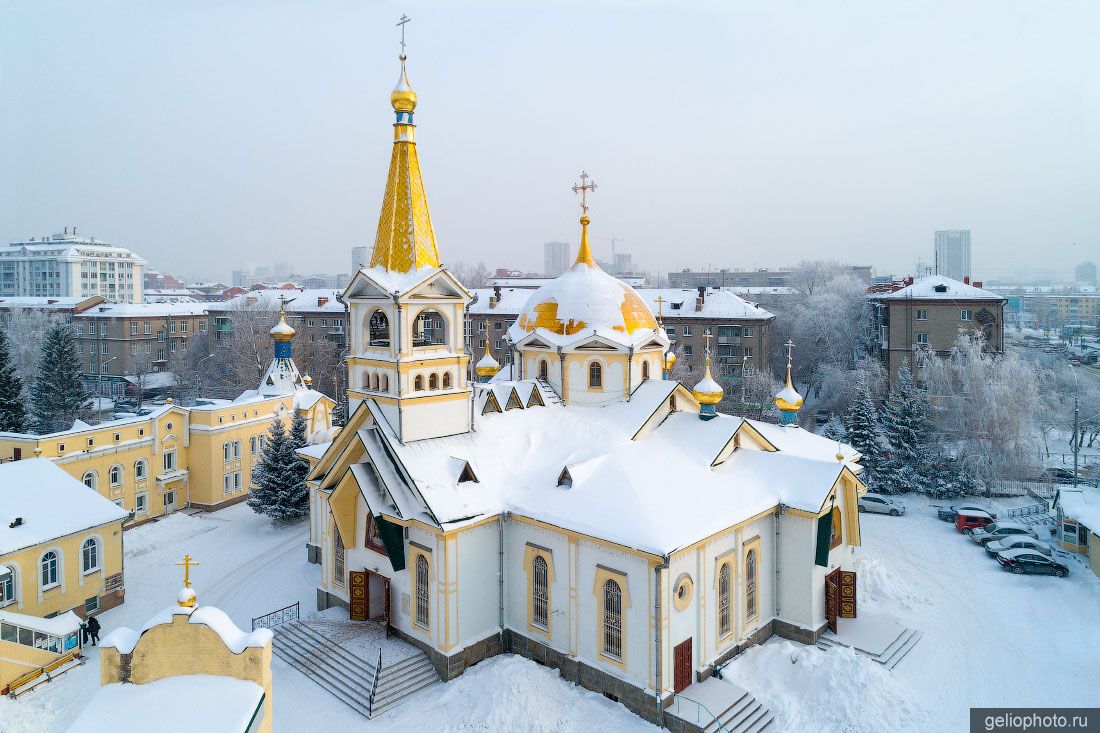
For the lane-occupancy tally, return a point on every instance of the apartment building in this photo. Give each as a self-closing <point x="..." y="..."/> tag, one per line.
<point x="930" y="313"/>
<point x="66" y="265"/>
<point x="741" y="278"/>
<point x="316" y="313"/>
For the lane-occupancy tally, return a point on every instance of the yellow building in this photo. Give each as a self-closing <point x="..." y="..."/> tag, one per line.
<point x="199" y="456"/>
<point x="189" y="669"/>
<point x="1078" y="513"/>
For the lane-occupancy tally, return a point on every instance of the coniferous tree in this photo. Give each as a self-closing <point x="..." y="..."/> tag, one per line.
<point x="298" y="427"/>
<point x="862" y="432"/>
<point x="908" y="431"/>
<point x="13" y="413"/>
<point x="58" y="396"/>
<point x="279" y="489"/>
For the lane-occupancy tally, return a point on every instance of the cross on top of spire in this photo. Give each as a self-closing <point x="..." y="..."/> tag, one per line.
<point x="583" y="188"/>
<point x="706" y="339"/>
<point x="790" y="351"/>
<point x="660" y="308"/>
<point x="187" y="564"/>
<point x="401" y="24"/>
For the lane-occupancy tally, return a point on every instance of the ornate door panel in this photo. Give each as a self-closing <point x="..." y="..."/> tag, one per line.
<point x="681" y="665"/>
<point x="357" y="595"/>
<point x="847" y="594"/>
<point x="832" y="598"/>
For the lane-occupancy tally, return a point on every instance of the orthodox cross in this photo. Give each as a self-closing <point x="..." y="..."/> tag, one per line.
<point x="401" y="24"/>
<point x="282" y="305"/>
<point x="706" y="339"/>
<point x="660" y="308"/>
<point x="790" y="350"/>
<point x="187" y="565"/>
<point x="583" y="188"/>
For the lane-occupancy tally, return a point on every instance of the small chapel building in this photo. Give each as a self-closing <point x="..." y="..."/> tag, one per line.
<point x="578" y="508"/>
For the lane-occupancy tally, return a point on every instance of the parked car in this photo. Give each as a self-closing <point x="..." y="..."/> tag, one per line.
<point x="967" y="520"/>
<point x="1016" y="542"/>
<point x="1023" y="560"/>
<point x="999" y="531"/>
<point x="1058" y="476"/>
<point x="822" y="417"/>
<point x="879" y="504"/>
<point x="948" y="514"/>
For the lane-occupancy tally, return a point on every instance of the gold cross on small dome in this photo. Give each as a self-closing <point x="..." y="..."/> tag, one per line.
<point x="583" y="188"/>
<point x="660" y="308"/>
<point x="187" y="564"/>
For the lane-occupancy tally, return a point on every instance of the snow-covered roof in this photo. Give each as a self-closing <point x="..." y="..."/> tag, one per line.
<point x="50" y="502"/>
<point x="622" y="479"/>
<point x="125" y="639"/>
<point x="317" y="450"/>
<point x="938" y="287"/>
<point x="310" y="300"/>
<point x="40" y="303"/>
<point x="1081" y="505"/>
<point x="717" y="303"/>
<point x="61" y="625"/>
<point x="143" y="310"/>
<point x="180" y="704"/>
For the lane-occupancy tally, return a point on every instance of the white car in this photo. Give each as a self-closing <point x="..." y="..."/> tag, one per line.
<point x="880" y="504"/>
<point x="1018" y="542"/>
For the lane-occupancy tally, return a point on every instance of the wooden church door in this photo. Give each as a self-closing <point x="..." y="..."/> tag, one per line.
<point x="847" y="583"/>
<point x="832" y="598"/>
<point x="681" y="665"/>
<point x="357" y="595"/>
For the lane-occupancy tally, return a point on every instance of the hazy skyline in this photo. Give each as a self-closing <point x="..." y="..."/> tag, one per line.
<point x="207" y="135"/>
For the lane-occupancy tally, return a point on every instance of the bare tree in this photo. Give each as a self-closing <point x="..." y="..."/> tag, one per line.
<point x="470" y="275"/>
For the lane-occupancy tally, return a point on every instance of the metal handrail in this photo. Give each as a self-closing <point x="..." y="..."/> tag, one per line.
<point x="273" y="619"/>
<point x="374" y="685"/>
<point x="713" y="718"/>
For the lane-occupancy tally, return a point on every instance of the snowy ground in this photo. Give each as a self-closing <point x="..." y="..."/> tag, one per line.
<point x="981" y="626"/>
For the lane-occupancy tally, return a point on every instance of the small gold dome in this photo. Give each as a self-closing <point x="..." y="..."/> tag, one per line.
<point x="403" y="98"/>
<point x="708" y="391"/>
<point x="307" y="380"/>
<point x="282" y="331"/>
<point x="487" y="367"/>
<point x="788" y="399"/>
<point x="670" y="361"/>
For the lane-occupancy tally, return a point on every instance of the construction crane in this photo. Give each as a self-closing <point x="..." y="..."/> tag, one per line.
<point x="612" y="239"/>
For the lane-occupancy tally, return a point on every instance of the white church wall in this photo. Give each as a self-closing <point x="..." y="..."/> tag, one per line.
<point x="614" y="378"/>
<point x="530" y="369"/>
<point x="719" y="550"/>
<point x="433" y="419"/>
<point x="798" y="540"/>
<point x="478" y="582"/>
<point x="517" y="536"/>
<point x="420" y="540"/>
<point x="637" y="659"/>
<point x="682" y="624"/>
<point x="763" y="531"/>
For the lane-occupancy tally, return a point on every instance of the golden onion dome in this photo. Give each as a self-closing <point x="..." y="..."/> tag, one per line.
<point x="788" y="399"/>
<point x="708" y="391"/>
<point x="307" y="380"/>
<point x="487" y="367"/>
<point x="670" y="361"/>
<point x="403" y="98"/>
<point x="282" y="331"/>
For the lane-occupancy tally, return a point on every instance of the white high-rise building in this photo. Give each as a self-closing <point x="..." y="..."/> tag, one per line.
<point x="953" y="253"/>
<point x="555" y="258"/>
<point x="68" y="266"/>
<point x="360" y="257"/>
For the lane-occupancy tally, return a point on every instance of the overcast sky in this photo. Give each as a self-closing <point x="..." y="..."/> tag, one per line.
<point x="209" y="134"/>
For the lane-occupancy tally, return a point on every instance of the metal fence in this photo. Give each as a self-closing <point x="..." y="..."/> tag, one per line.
<point x="273" y="619"/>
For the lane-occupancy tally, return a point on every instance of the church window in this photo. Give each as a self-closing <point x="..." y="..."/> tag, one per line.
<point x="447" y="380"/>
<point x="595" y="375"/>
<point x="612" y="620"/>
<point x="544" y="369"/>
<point x="433" y="381"/>
<point x="540" y="593"/>
<point x="418" y="383"/>
<point x="374" y="382"/>
<point x="338" y="557"/>
<point x="836" y="533"/>
<point x="48" y="565"/>
<point x="421" y="591"/>
<point x="429" y="329"/>
<point x="467" y="475"/>
<point x="89" y="553"/>
<point x="751" y="605"/>
<point x="116" y="475"/>
<point x="385" y="383"/>
<point x="645" y="371"/>
<point x="378" y="329"/>
<point x="725" y="624"/>
<point x="672" y="403"/>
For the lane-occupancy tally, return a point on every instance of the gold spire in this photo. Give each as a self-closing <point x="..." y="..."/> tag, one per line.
<point x="487" y="367"/>
<point x="282" y="331"/>
<point x="708" y="392"/>
<point x="405" y="240"/>
<point x="186" y="594"/>
<point x="789" y="400"/>
<point x="584" y="254"/>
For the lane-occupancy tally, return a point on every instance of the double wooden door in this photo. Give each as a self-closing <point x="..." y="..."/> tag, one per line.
<point x="681" y="665"/>
<point x="840" y="596"/>
<point x="369" y="597"/>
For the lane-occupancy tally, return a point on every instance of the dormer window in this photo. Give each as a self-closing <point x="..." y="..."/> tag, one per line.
<point x="565" y="478"/>
<point x="467" y="475"/>
<point x="940" y="288"/>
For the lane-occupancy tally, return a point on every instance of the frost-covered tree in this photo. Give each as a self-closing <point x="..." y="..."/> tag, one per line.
<point x="908" y="432"/>
<point x="299" y="437"/>
<point x="13" y="413"/>
<point x="862" y="431"/>
<point x="58" y="396"/>
<point x="26" y="329"/>
<point x="279" y="489"/>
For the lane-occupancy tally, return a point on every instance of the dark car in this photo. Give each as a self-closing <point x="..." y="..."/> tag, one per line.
<point x="1059" y="476"/>
<point x="1023" y="560"/>
<point x="948" y="514"/>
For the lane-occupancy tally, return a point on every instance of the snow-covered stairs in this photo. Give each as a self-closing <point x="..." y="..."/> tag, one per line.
<point x="719" y="706"/>
<point x="745" y="715"/>
<point x="348" y="676"/>
<point x="894" y="652"/>
<point x="549" y="392"/>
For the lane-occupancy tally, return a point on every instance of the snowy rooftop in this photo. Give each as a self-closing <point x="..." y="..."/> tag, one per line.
<point x="678" y="303"/>
<point x="50" y="502"/>
<point x="1082" y="505"/>
<point x="938" y="287"/>
<point x="66" y="623"/>
<point x="58" y="303"/>
<point x="236" y="640"/>
<point x="315" y="300"/>
<point x="621" y="479"/>
<point x="182" y="704"/>
<point x="143" y="310"/>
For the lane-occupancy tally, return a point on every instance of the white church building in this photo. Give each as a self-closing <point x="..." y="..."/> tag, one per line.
<point x="579" y="508"/>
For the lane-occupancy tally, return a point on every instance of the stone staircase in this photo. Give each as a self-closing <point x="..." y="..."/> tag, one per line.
<point x="717" y="706"/>
<point x="548" y="392"/>
<point x="745" y="715"/>
<point x="894" y="652"/>
<point x="352" y="679"/>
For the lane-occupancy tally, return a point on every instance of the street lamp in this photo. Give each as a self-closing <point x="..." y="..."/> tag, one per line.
<point x="99" y="390"/>
<point x="1076" y="419"/>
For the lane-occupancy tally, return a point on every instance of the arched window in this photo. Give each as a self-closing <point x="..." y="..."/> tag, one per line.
<point x="418" y="383"/>
<point x="836" y="534"/>
<point x="725" y="624"/>
<point x="91" y="480"/>
<point x="378" y="329"/>
<point x="750" y="584"/>
<point x="374" y="382"/>
<point x="672" y="403"/>
<point x="422" y="590"/>
<point x="238" y="449"/>
<point x="141" y="470"/>
<point x="49" y="565"/>
<point x="595" y="374"/>
<point x="544" y="369"/>
<point x="433" y="381"/>
<point x="429" y="329"/>
<point x="612" y="620"/>
<point x="446" y="380"/>
<point x="116" y="475"/>
<point x="338" y="557"/>
<point x="89" y="555"/>
<point x="385" y="383"/>
<point x="227" y="452"/>
<point x="645" y="371"/>
<point x="540" y="593"/>
<point x="7" y="586"/>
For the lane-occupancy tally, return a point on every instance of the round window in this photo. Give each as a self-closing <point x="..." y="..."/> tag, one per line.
<point x="681" y="592"/>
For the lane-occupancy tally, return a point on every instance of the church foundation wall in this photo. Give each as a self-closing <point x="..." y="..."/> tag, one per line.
<point x="219" y="505"/>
